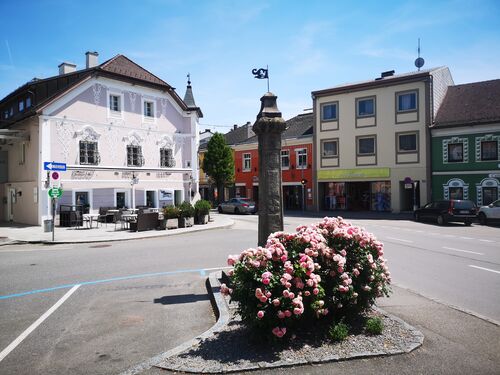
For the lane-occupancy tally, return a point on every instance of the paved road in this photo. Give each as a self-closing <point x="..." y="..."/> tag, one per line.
<point x="133" y="300"/>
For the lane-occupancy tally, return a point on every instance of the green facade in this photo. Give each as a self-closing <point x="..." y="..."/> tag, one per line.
<point x="472" y="177"/>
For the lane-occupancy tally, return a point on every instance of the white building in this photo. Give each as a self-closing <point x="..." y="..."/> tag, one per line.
<point x="125" y="135"/>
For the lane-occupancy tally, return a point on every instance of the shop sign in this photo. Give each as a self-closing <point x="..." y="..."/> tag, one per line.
<point x="357" y="173"/>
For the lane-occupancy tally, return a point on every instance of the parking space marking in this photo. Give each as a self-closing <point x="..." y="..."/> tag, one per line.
<point x="399" y="239"/>
<point x="486" y="241"/>
<point x="484" y="269"/>
<point x="462" y="251"/>
<point x="466" y="238"/>
<point x="39" y="321"/>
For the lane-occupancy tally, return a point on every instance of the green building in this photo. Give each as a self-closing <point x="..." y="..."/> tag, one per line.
<point x="466" y="144"/>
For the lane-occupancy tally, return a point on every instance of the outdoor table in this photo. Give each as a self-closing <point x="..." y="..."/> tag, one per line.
<point x="127" y="218"/>
<point x="90" y="218"/>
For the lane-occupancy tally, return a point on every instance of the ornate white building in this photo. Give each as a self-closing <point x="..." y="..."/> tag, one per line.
<point x="126" y="137"/>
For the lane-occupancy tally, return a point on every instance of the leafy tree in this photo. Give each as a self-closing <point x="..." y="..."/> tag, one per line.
<point x="218" y="163"/>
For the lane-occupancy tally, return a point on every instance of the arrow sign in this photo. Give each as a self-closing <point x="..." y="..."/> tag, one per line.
<point x="55" y="192"/>
<point x="53" y="166"/>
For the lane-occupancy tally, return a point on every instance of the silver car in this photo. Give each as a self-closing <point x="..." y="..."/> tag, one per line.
<point x="238" y="206"/>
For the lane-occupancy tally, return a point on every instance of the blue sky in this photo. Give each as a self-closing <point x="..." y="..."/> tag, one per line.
<point x="308" y="45"/>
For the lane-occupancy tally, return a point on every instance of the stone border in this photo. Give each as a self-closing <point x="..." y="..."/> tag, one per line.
<point x="221" y="310"/>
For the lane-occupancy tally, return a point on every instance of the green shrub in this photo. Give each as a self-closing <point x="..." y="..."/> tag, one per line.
<point x="374" y="326"/>
<point x="186" y="209"/>
<point x="202" y="207"/>
<point x="338" y="331"/>
<point x="171" y="212"/>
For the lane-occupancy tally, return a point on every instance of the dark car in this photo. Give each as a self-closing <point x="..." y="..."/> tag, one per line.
<point x="238" y="206"/>
<point x="447" y="211"/>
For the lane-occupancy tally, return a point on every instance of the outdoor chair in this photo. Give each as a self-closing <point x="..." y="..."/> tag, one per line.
<point x="117" y="219"/>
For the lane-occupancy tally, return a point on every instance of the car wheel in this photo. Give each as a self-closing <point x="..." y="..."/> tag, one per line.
<point x="441" y="220"/>
<point x="219" y="209"/>
<point x="236" y="210"/>
<point x="483" y="220"/>
<point x="468" y="222"/>
<point x="416" y="217"/>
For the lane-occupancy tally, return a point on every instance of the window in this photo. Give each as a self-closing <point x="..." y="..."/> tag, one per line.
<point x="114" y="103"/>
<point x="366" y="107"/>
<point x="148" y="109"/>
<point x="28" y="102"/>
<point x="407" y="142"/>
<point x="21" y="105"/>
<point x="301" y="158"/>
<point x="407" y="101"/>
<point x="247" y="165"/>
<point x="455" y="152"/>
<point x="489" y="150"/>
<point x="329" y="112"/>
<point x="22" y="153"/>
<point x="285" y="159"/>
<point x="366" y="146"/>
<point x="89" y="153"/>
<point x="167" y="158"/>
<point x="134" y="156"/>
<point x="5" y="114"/>
<point x="329" y="148"/>
<point x="456" y="192"/>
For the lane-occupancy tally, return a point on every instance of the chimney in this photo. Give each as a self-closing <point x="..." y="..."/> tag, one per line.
<point x="66" y="67"/>
<point x="235" y="126"/>
<point x="91" y="59"/>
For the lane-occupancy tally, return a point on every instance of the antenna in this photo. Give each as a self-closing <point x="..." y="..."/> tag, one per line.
<point x="419" y="62"/>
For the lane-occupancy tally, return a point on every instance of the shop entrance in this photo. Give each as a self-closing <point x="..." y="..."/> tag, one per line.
<point x="292" y="197"/>
<point x="407" y="196"/>
<point x="358" y="196"/>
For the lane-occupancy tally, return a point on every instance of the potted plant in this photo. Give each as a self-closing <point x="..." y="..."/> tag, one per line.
<point x="202" y="209"/>
<point x="186" y="215"/>
<point x="171" y="215"/>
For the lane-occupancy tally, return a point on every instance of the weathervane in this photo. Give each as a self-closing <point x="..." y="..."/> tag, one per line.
<point x="419" y="62"/>
<point x="262" y="74"/>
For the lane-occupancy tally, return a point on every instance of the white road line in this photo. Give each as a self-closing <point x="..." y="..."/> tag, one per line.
<point x="39" y="321"/>
<point x="462" y="251"/>
<point x="484" y="269"/>
<point x="399" y="239"/>
<point x="466" y="238"/>
<point x="486" y="241"/>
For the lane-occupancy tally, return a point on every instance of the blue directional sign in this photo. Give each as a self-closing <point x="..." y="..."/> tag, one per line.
<point x="53" y="166"/>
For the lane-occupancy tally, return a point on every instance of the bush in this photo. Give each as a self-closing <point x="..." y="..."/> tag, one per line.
<point x="202" y="207"/>
<point x="338" y="331"/>
<point x="374" y="326"/>
<point x="186" y="209"/>
<point x="329" y="269"/>
<point x="171" y="212"/>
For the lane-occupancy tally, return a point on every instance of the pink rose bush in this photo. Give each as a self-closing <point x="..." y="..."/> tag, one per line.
<point x="327" y="270"/>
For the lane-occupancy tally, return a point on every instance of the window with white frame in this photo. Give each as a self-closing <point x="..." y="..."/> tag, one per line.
<point x="455" y="152"/>
<point x="148" y="109"/>
<point x="366" y="146"/>
<point x="489" y="150"/>
<point x="301" y="155"/>
<point x="407" y="142"/>
<point x="247" y="162"/>
<point x="329" y="111"/>
<point x="285" y="159"/>
<point x="115" y="103"/>
<point x="406" y="101"/>
<point x="21" y="105"/>
<point x="89" y="153"/>
<point x="134" y="156"/>
<point x="330" y="148"/>
<point x="365" y="107"/>
<point x="167" y="157"/>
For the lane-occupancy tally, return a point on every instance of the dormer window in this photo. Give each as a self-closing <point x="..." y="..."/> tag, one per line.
<point x="28" y="102"/>
<point x="21" y="105"/>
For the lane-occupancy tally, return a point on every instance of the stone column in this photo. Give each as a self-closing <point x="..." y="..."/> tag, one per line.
<point x="269" y="127"/>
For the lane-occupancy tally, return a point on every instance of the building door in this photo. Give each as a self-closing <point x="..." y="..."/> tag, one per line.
<point x="151" y="198"/>
<point x="120" y="199"/>
<point x="11" y="199"/>
<point x="358" y="196"/>
<point x="177" y="197"/>
<point x="82" y="199"/>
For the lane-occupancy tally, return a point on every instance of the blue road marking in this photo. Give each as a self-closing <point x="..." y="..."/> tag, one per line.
<point x="201" y="271"/>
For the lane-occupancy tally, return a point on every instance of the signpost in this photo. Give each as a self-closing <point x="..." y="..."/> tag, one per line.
<point x="55" y="192"/>
<point x="54" y="182"/>
<point x="53" y="166"/>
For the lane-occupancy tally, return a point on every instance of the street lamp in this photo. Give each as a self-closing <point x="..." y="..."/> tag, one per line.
<point x="134" y="181"/>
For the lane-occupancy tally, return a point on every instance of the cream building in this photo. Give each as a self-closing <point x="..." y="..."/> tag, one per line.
<point x="372" y="143"/>
<point x="125" y="135"/>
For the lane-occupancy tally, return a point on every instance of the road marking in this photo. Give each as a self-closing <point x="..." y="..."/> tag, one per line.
<point x="484" y="269"/>
<point x="486" y="241"/>
<point x="110" y="280"/>
<point x="462" y="251"/>
<point x="39" y="321"/>
<point x="399" y="239"/>
<point x="466" y="238"/>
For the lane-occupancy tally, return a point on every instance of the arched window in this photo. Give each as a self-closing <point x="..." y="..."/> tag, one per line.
<point x="456" y="189"/>
<point x="487" y="191"/>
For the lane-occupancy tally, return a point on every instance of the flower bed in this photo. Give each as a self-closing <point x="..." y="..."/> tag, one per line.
<point x="329" y="270"/>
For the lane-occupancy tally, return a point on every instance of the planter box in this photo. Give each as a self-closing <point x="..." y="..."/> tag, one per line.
<point x="172" y="223"/>
<point x="185" y="222"/>
<point x="201" y="219"/>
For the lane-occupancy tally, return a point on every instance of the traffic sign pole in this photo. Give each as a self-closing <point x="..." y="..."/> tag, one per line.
<point x="53" y="217"/>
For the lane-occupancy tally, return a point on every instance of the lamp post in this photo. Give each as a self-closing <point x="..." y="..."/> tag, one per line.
<point x="134" y="181"/>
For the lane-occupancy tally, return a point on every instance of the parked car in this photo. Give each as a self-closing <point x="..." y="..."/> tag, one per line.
<point x="238" y="206"/>
<point x="489" y="213"/>
<point x="447" y="211"/>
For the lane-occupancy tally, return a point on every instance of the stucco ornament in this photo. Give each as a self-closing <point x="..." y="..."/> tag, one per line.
<point x="112" y="140"/>
<point x="64" y="130"/>
<point x="87" y="133"/>
<point x="163" y="103"/>
<point x="133" y="138"/>
<point x="97" y="88"/>
<point x="165" y="141"/>
<point x="132" y="96"/>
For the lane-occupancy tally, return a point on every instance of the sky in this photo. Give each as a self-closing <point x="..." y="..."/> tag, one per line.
<point x="308" y="45"/>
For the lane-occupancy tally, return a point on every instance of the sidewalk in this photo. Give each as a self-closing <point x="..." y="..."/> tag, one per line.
<point x="16" y="233"/>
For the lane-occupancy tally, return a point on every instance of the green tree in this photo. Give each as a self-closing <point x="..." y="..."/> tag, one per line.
<point x="218" y="163"/>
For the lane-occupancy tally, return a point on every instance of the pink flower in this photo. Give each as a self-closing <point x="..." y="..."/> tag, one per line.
<point x="307" y="293"/>
<point x="265" y="281"/>
<point x="263" y="299"/>
<point x="260" y="314"/>
<point x="315" y="291"/>
<point x="288" y="313"/>
<point x="281" y="314"/>
<point x="276" y="302"/>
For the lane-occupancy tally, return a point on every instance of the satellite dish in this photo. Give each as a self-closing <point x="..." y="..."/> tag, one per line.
<point x="419" y="62"/>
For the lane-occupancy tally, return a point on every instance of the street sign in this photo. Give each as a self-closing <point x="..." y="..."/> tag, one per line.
<point x="55" y="179"/>
<point x="54" y="166"/>
<point x="55" y="192"/>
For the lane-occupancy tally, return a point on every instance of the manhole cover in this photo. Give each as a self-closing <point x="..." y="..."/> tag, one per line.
<point x="99" y="246"/>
